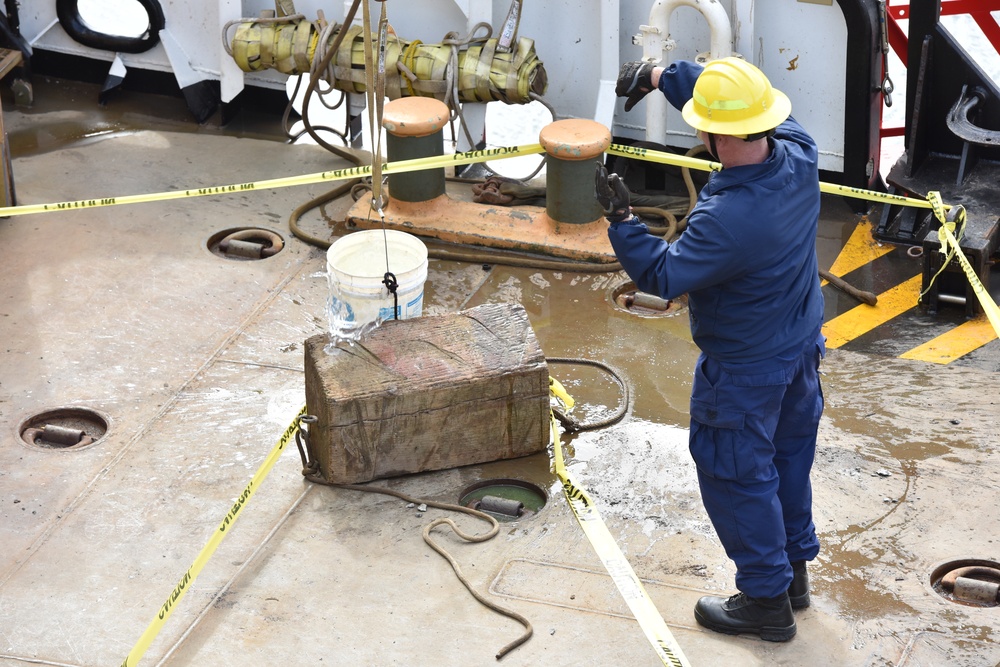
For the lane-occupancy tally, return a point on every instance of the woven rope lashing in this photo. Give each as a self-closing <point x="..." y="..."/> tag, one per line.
<point x="412" y="68"/>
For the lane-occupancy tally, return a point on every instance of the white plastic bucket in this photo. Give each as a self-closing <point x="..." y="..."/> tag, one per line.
<point x="356" y="265"/>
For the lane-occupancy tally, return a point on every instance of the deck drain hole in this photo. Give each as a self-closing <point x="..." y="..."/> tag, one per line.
<point x="63" y="428"/>
<point x="246" y="243"/>
<point x="627" y="297"/>
<point x="973" y="582"/>
<point x="504" y="499"/>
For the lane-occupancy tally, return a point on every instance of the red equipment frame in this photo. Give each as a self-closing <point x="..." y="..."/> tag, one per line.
<point x="897" y="11"/>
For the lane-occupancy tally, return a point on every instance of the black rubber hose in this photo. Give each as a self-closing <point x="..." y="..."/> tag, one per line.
<point x="68" y="12"/>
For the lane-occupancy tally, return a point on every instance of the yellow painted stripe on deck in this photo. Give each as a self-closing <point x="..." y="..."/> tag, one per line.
<point x="958" y="342"/>
<point x="862" y="319"/>
<point x="860" y="249"/>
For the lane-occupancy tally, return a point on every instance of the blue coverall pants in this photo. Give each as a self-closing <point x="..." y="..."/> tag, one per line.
<point x="753" y="439"/>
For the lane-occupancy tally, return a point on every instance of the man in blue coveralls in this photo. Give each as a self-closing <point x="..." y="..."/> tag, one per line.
<point x="747" y="262"/>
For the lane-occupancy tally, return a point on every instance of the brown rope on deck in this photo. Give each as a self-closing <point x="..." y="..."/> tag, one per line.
<point x="310" y="470"/>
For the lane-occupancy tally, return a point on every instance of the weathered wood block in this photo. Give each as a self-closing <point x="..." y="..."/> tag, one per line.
<point x="427" y="394"/>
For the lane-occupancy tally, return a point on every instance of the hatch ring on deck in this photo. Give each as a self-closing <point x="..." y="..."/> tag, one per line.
<point x="246" y="243"/>
<point x="76" y="27"/>
<point x="63" y="429"/>
<point x="504" y="499"/>
<point x="972" y="582"/>
<point x="627" y="297"/>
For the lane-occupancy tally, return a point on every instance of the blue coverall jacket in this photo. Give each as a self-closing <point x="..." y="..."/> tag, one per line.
<point x="747" y="262"/>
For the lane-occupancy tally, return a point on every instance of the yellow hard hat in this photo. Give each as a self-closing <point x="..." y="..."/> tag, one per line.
<point x="733" y="97"/>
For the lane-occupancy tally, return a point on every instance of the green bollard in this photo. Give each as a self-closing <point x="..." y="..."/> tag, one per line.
<point x="572" y="147"/>
<point x="414" y="129"/>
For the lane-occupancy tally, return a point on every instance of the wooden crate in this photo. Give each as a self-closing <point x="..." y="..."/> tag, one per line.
<point x="427" y="394"/>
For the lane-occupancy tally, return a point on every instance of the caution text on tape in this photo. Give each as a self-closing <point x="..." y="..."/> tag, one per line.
<point x="402" y="166"/>
<point x="628" y="583"/>
<point x="154" y="627"/>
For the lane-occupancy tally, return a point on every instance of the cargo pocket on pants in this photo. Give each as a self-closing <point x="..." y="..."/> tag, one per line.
<point x="715" y="437"/>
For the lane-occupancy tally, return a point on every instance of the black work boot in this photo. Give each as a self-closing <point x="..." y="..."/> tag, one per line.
<point x="798" y="591"/>
<point x="771" y="618"/>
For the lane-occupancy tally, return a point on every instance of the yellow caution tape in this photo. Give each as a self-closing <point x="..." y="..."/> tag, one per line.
<point x="650" y="155"/>
<point x="557" y="390"/>
<point x="153" y="629"/>
<point x="951" y="248"/>
<point x="707" y="165"/>
<point x="871" y="195"/>
<point x="416" y="164"/>
<point x="611" y="556"/>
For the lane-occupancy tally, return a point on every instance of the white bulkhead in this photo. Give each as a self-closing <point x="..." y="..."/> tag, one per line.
<point x="801" y="46"/>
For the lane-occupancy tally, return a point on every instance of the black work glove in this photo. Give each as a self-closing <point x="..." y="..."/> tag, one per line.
<point x="612" y="195"/>
<point x="635" y="80"/>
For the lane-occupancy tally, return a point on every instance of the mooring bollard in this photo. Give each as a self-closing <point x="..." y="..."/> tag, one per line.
<point x="414" y="129"/>
<point x="571" y="149"/>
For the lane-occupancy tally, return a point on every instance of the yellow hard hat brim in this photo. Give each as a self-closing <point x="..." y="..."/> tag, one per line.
<point x="769" y="119"/>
